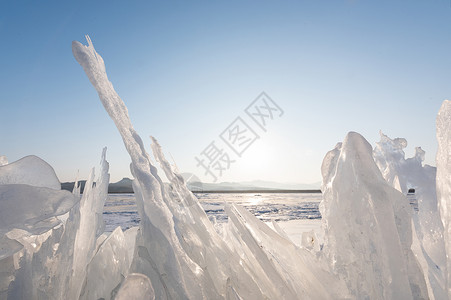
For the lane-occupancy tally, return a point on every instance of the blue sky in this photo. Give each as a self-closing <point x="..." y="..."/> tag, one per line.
<point x="187" y="69"/>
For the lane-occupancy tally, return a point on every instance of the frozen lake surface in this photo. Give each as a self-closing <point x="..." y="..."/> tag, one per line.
<point x="121" y="210"/>
<point x="295" y="213"/>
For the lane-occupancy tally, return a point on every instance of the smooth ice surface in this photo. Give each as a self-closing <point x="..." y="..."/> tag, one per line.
<point x="9" y="247"/>
<point x="295" y="230"/>
<point x="136" y="287"/>
<point x="32" y="208"/>
<point x="443" y="160"/>
<point x="107" y="268"/>
<point x="29" y="170"/>
<point x="291" y="271"/>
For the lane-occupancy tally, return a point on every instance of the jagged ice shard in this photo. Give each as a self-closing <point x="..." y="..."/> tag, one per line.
<point x="410" y="174"/>
<point x="158" y="252"/>
<point x="177" y="246"/>
<point x="367" y="226"/>
<point x="50" y="248"/>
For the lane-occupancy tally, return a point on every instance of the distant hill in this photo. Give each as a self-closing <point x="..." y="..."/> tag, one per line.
<point x="195" y="185"/>
<point x="69" y="186"/>
<point x="124" y="186"/>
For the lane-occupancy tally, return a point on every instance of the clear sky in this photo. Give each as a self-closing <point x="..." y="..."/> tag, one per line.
<point x="187" y="69"/>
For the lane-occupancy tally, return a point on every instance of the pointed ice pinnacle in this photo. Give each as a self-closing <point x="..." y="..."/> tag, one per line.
<point x="405" y="174"/>
<point x="368" y="226"/>
<point x="158" y="249"/>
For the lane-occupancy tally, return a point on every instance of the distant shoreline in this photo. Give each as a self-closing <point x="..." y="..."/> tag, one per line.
<point x="241" y="192"/>
<point x="125" y="187"/>
<point x="258" y="191"/>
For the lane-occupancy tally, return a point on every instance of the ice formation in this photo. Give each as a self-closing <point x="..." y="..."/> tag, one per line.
<point x="375" y="246"/>
<point x="3" y="160"/>
<point x="32" y="208"/>
<point x="107" y="268"/>
<point x="443" y="161"/>
<point x="30" y="170"/>
<point x="136" y="287"/>
<point x="89" y="226"/>
<point x="405" y="174"/>
<point x="49" y="236"/>
<point x="368" y="226"/>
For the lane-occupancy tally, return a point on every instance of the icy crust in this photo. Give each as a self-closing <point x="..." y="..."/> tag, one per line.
<point x="136" y="287"/>
<point x="30" y="170"/>
<point x="367" y="226"/>
<point x="443" y="160"/>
